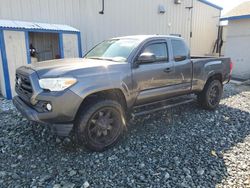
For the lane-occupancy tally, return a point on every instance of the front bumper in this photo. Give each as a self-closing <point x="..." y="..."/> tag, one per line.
<point x="25" y="110"/>
<point x="65" y="106"/>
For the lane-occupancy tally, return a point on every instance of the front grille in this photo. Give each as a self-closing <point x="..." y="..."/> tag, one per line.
<point x="23" y="87"/>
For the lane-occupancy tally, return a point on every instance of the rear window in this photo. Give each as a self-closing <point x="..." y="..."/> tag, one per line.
<point x="179" y="48"/>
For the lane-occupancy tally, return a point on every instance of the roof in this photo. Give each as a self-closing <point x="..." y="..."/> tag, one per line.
<point x="240" y="12"/>
<point x="22" y="25"/>
<point x="145" y="37"/>
<point x="211" y="4"/>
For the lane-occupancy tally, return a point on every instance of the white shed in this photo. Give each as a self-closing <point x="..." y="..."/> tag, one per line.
<point x="51" y="41"/>
<point x="238" y="40"/>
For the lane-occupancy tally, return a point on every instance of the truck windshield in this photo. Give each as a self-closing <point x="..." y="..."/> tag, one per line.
<point x="113" y="50"/>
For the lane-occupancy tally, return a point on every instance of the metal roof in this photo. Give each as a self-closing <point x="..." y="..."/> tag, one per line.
<point x="22" y="25"/>
<point x="211" y="4"/>
<point x="240" y="12"/>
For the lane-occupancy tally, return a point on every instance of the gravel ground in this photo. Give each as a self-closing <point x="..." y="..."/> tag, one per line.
<point x="181" y="147"/>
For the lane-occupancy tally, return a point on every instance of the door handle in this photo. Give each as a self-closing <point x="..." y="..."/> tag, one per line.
<point x="167" y="70"/>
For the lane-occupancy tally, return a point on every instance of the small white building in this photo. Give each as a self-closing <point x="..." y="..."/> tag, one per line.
<point x="50" y="41"/>
<point x="238" y="40"/>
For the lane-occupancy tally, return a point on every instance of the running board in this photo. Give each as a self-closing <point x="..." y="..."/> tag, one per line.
<point x="160" y="105"/>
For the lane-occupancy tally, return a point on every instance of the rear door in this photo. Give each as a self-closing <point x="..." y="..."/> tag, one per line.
<point x="183" y="65"/>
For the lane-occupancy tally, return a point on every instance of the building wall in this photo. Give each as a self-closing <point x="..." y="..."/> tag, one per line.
<point x="237" y="47"/>
<point x="205" y="28"/>
<point x="121" y="18"/>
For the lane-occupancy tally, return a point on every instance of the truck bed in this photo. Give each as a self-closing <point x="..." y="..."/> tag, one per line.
<point x="205" y="67"/>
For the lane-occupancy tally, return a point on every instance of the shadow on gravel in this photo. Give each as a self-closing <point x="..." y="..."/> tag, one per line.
<point x="181" y="147"/>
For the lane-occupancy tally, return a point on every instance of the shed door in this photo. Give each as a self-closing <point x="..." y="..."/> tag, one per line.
<point x="46" y="45"/>
<point x="70" y="45"/>
<point x="16" y="53"/>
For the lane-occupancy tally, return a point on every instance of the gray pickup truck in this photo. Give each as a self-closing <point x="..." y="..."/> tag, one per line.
<point x="93" y="96"/>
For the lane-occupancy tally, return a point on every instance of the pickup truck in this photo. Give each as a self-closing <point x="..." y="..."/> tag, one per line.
<point x="92" y="97"/>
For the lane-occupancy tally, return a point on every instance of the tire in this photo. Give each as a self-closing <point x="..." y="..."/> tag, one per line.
<point x="210" y="96"/>
<point x="100" y="125"/>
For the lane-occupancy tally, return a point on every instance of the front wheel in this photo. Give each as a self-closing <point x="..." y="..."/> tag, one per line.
<point x="101" y="125"/>
<point x="210" y="97"/>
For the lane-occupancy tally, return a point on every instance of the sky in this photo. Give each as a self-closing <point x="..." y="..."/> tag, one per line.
<point x="227" y="5"/>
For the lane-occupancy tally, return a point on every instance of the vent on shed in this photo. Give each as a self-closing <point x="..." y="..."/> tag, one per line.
<point x="161" y="9"/>
<point x="177" y="1"/>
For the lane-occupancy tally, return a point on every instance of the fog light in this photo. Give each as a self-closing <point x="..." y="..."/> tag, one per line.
<point x="49" y="107"/>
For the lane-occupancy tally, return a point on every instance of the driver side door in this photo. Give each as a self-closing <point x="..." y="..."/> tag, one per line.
<point x="153" y="80"/>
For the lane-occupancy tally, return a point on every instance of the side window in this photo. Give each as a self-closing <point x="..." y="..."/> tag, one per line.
<point x="159" y="50"/>
<point x="180" y="50"/>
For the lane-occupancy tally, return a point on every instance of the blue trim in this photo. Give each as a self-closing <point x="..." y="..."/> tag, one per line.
<point x="236" y="17"/>
<point x="79" y="44"/>
<point x="211" y="4"/>
<point x="27" y="47"/>
<point x="38" y="30"/>
<point x="5" y="67"/>
<point x="61" y="50"/>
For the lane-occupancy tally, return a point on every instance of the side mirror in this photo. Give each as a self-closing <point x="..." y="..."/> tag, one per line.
<point x="180" y="58"/>
<point x="146" y="58"/>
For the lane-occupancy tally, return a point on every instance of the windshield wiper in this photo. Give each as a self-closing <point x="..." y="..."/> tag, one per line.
<point x="101" y="58"/>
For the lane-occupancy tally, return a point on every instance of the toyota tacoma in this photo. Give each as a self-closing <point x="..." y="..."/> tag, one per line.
<point x="92" y="97"/>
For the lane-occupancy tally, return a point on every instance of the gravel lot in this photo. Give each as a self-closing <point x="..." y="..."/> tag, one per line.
<point x="181" y="147"/>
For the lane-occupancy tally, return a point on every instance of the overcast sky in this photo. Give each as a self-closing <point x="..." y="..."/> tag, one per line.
<point x="227" y="4"/>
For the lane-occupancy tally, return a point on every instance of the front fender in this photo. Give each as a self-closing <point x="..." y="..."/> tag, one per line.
<point x="89" y="86"/>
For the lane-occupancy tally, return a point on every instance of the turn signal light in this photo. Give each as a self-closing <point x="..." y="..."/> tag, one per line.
<point x="231" y="67"/>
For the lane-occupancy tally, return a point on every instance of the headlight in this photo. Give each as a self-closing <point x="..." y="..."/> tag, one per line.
<point x="56" y="84"/>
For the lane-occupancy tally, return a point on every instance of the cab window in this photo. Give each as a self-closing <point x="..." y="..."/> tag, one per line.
<point x="158" y="49"/>
<point x="180" y="50"/>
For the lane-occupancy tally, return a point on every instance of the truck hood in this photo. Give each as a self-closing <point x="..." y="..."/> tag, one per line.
<point x="74" y="67"/>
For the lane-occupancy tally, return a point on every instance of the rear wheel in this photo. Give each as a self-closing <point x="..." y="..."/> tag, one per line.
<point x="101" y="125"/>
<point x="210" y="97"/>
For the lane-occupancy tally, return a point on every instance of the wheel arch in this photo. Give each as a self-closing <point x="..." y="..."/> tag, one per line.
<point x="111" y="94"/>
<point x="215" y="76"/>
<point x="211" y="77"/>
